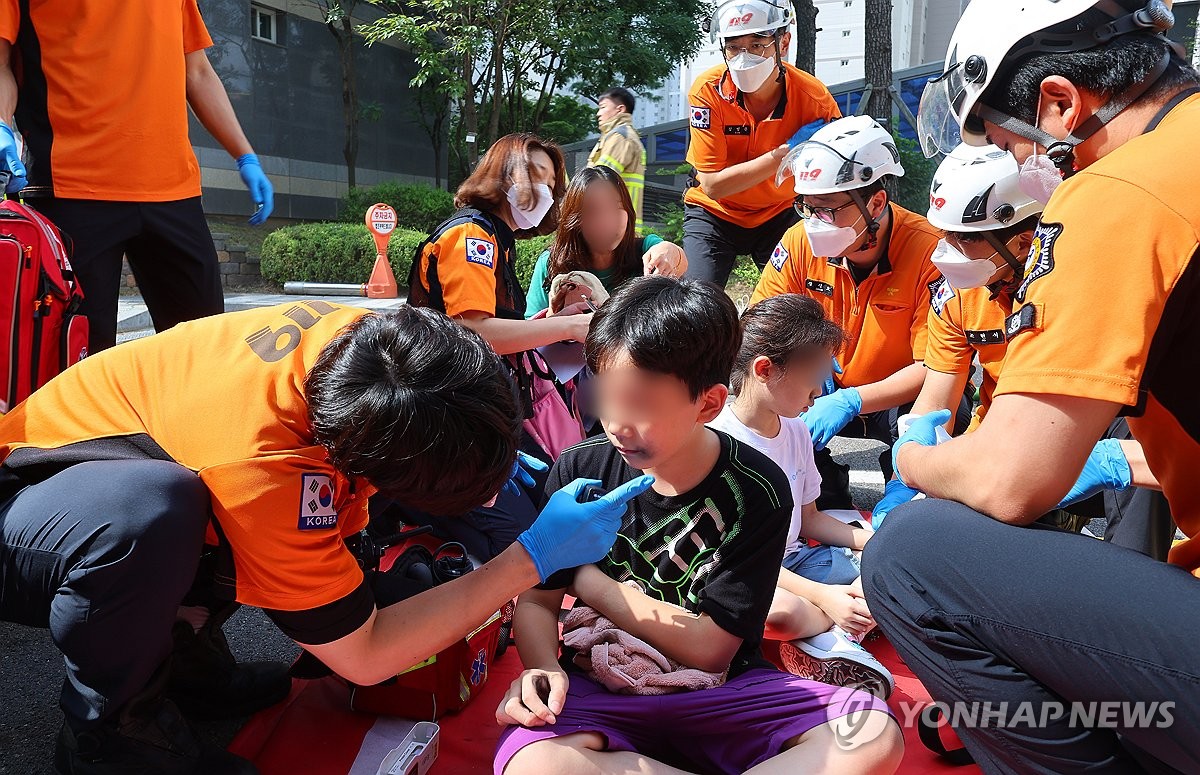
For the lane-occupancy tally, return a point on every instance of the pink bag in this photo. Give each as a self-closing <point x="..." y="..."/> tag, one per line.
<point x="549" y="420"/>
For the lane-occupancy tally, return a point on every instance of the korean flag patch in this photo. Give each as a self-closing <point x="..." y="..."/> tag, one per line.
<point x="316" y="502"/>
<point x="480" y="251"/>
<point x="779" y="257"/>
<point x="701" y="117"/>
<point x="940" y="294"/>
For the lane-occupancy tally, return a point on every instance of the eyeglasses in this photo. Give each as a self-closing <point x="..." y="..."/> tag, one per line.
<point x="826" y="214"/>
<point x="757" y="49"/>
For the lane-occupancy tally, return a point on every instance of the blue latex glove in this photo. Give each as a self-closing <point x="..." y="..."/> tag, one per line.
<point x="829" y="414"/>
<point x="568" y="533"/>
<point x="805" y="132"/>
<point x="895" y="493"/>
<point x="924" y="431"/>
<point x="10" y="161"/>
<point x="260" y="188"/>
<point x="520" y="473"/>
<point x="1106" y="469"/>
<point x="829" y="386"/>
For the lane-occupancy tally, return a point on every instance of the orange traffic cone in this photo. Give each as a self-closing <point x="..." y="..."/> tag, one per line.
<point x="381" y="221"/>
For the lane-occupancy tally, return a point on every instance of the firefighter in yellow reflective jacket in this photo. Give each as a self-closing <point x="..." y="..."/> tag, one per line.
<point x="619" y="145"/>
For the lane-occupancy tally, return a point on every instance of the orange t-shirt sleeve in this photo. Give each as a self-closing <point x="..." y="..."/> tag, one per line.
<point x="707" y="151"/>
<point x="284" y="518"/>
<point x="466" y="269"/>
<point x="947" y="350"/>
<point x="1085" y="323"/>
<point x="784" y="272"/>
<point x="10" y="20"/>
<point x="195" y="33"/>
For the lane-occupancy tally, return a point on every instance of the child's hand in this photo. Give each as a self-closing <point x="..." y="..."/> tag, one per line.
<point x="533" y="699"/>
<point x="847" y="608"/>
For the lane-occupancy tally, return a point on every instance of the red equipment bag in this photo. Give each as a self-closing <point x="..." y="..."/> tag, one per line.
<point x="442" y="684"/>
<point x="41" y="332"/>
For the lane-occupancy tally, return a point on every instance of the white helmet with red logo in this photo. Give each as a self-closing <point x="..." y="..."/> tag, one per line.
<point x="749" y="17"/>
<point x="976" y="189"/>
<point x="843" y="155"/>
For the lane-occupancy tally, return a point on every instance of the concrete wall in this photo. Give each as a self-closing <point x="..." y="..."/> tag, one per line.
<point x="288" y="99"/>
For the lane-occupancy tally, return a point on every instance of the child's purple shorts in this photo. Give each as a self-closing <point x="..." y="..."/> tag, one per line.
<point x="728" y="729"/>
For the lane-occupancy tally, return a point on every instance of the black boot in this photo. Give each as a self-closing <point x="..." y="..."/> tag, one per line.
<point x="206" y="682"/>
<point x="148" y="737"/>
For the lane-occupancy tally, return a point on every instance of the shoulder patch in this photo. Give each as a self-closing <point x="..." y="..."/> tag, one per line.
<point x="779" y="257"/>
<point x="701" y="117"/>
<point x="1041" y="256"/>
<point x="940" y="294"/>
<point x="481" y="251"/>
<point x="316" y="502"/>
<point x="1024" y="319"/>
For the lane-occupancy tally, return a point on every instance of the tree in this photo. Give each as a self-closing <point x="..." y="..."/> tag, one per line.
<point x="339" y="21"/>
<point x="877" y="65"/>
<point x="806" y="35"/>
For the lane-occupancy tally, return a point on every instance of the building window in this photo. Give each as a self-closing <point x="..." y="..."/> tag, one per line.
<point x="845" y="33"/>
<point x="845" y="62"/>
<point x="264" y="24"/>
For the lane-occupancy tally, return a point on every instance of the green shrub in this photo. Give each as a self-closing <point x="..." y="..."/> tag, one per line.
<point x="418" y="207"/>
<point x="745" y="272"/>
<point x="671" y="218"/>
<point x="528" y="251"/>
<point x="333" y="253"/>
<point x="912" y="190"/>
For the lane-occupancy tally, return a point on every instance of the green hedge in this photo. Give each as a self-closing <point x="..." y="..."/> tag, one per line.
<point x="345" y="253"/>
<point x="420" y="208"/>
<point x="333" y="253"/>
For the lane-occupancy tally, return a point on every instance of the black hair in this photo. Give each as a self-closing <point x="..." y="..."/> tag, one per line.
<point x="620" y="95"/>
<point x="419" y="406"/>
<point x="785" y="329"/>
<point x="1004" y="235"/>
<point x="1107" y="71"/>
<point x="684" y="328"/>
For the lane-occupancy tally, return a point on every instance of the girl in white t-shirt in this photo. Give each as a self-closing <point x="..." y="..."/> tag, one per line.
<point x="818" y="609"/>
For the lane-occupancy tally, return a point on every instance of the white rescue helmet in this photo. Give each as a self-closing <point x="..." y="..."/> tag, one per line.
<point x="844" y="155"/>
<point x="976" y="189"/>
<point x="733" y="18"/>
<point x="993" y="34"/>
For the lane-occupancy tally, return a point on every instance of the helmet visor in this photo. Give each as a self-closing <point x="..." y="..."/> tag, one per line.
<point x="938" y="123"/>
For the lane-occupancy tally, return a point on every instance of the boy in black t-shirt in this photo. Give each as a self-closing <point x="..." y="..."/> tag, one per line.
<point x="704" y="547"/>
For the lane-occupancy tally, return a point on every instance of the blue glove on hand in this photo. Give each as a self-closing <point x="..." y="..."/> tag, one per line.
<point x="829" y="385"/>
<point x="895" y="493"/>
<point x="924" y="431"/>
<point x="1106" y="469"/>
<point x="805" y="132"/>
<point x="10" y="161"/>
<point x="260" y="188"/>
<point x="568" y="533"/>
<point x="520" y="473"/>
<point x="829" y="414"/>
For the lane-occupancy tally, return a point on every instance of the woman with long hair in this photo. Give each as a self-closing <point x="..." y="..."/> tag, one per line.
<point x="466" y="268"/>
<point x="596" y="234"/>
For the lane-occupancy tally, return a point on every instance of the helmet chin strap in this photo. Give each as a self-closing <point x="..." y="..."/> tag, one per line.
<point x="1062" y="152"/>
<point x="872" y="223"/>
<point x="1017" y="267"/>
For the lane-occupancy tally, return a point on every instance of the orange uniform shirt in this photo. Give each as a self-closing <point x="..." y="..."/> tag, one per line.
<point x="723" y="133"/>
<point x="963" y="324"/>
<point x="223" y="396"/>
<point x="102" y="96"/>
<point x="885" y="317"/>
<point x="1110" y="306"/>
<point x="472" y="271"/>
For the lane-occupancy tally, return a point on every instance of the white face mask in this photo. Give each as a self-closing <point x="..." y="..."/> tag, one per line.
<point x="827" y="240"/>
<point x="962" y="272"/>
<point x="749" y="72"/>
<point x="543" y="200"/>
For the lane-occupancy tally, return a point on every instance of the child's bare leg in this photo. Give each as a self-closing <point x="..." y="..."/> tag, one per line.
<point x="583" y="754"/>
<point x="794" y="617"/>
<point x="871" y="744"/>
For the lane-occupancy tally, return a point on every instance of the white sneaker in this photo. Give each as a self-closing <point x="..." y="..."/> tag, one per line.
<point x="833" y="657"/>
